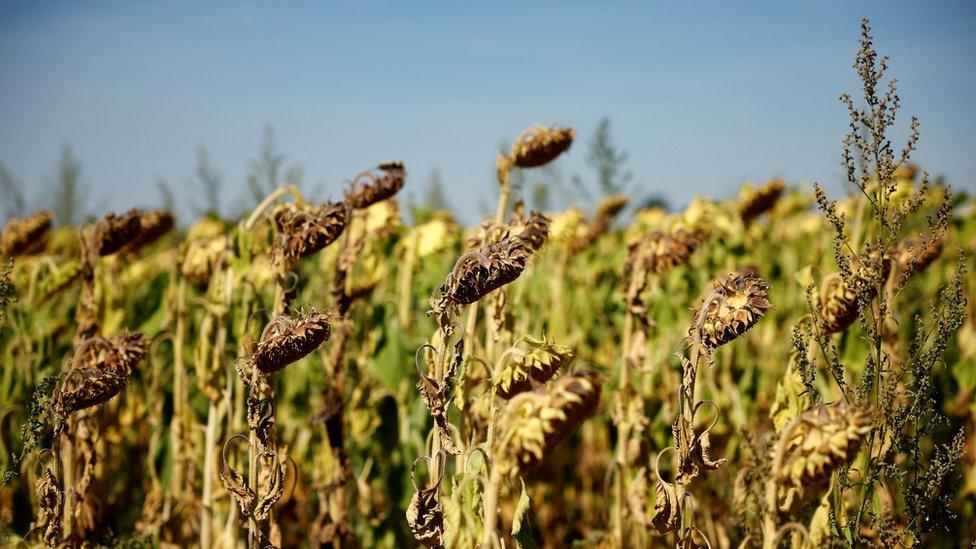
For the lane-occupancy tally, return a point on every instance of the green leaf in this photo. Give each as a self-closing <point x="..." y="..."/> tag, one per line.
<point x="521" y="527"/>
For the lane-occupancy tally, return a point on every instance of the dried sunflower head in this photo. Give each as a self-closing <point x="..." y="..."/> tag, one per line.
<point x="26" y="235"/>
<point x="202" y="258"/>
<point x="541" y="361"/>
<point x="754" y="202"/>
<point x="818" y="441"/>
<point x="539" y="145"/>
<point x="113" y="232"/>
<point x="302" y="232"/>
<point x="368" y="188"/>
<point x="59" y="279"/>
<point x="610" y="206"/>
<point x="286" y="340"/>
<point x="535" y="230"/>
<point x="912" y="255"/>
<point x="734" y="305"/>
<point x="838" y="305"/>
<point x="152" y="225"/>
<point x="480" y="272"/>
<point x="534" y="423"/>
<point x="658" y="252"/>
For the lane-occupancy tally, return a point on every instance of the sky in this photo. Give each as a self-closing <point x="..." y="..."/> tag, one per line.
<point x="702" y="95"/>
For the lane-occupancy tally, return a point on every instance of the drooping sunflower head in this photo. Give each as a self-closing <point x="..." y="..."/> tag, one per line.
<point x="734" y="305"/>
<point x="539" y="145"/>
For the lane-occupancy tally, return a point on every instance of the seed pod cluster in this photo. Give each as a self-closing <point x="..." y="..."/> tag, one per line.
<point x="286" y="340"/>
<point x="302" y="233"/>
<point x="734" y="305"/>
<point x="539" y="145"/>
<point x="49" y="500"/>
<point x="368" y="188"/>
<point x="113" y="232"/>
<point x="26" y="235"/>
<point x="534" y="423"/>
<point x="539" y="363"/>
<point x="818" y="441"/>
<point x="757" y="201"/>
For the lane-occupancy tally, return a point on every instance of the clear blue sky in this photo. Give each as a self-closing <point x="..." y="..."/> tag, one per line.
<point x="703" y="96"/>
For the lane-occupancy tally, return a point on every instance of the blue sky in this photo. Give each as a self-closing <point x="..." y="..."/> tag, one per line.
<point x="703" y="96"/>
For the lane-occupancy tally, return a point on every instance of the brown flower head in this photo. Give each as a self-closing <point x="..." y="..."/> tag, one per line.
<point x="912" y="255"/>
<point x="818" y="441"/>
<point x="152" y="225"/>
<point x="535" y="230"/>
<point x="658" y="252"/>
<point x="479" y="272"/>
<point x="368" y="188"/>
<point x="539" y="362"/>
<point x="534" y="423"/>
<point x="539" y="145"/>
<point x="286" y="340"/>
<point x="606" y="210"/>
<point x="202" y="258"/>
<point x="755" y="202"/>
<point x="302" y="233"/>
<point x="838" y="304"/>
<point x="26" y="235"/>
<point x="609" y="206"/>
<point x="733" y="306"/>
<point x="100" y="370"/>
<point x="113" y="232"/>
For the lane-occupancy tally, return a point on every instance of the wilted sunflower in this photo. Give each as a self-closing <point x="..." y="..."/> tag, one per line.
<point x="818" y="441"/>
<point x="659" y="252"/>
<point x="113" y="232"/>
<point x="152" y="225"/>
<point x="606" y="210"/>
<point x="286" y="340"/>
<point x="539" y="145"/>
<point x="838" y="304"/>
<point x="534" y="423"/>
<point x="26" y="235"/>
<point x="535" y="230"/>
<point x="302" y="233"/>
<point x="202" y="258"/>
<point x="912" y="255"/>
<point x="756" y="201"/>
<point x="479" y="272"/>
<point x="539" y="362"/>
<point x="733" y="306"/>
<point x="99" y="371"/>
<point x="368" y="188"/>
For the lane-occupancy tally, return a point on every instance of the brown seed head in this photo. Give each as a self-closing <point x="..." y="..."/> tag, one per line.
<point x="26" y="235"/>
<point x="534" y="423"/>
<point x="658" y="252"/>
<point x="480" y="272"/>
<point x="202" y="258"/>
<point x="817" y="442"/>
<point x="369" y="188"/>
<point x="286" y="340"/>
<point x="838" y="305"/>
<point x="755" y="202"/>
<point x="113" y="232"/>
<point x="912" y="255"/>
<point x="540" y="362"/>
<point x="152" y="225"/>
<point x="733" y="306"/>
<point x="302" y="233"/>
<point x="535" y="230"/>
<point x="610" y="206"/>
<point x="539" y="145"/>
